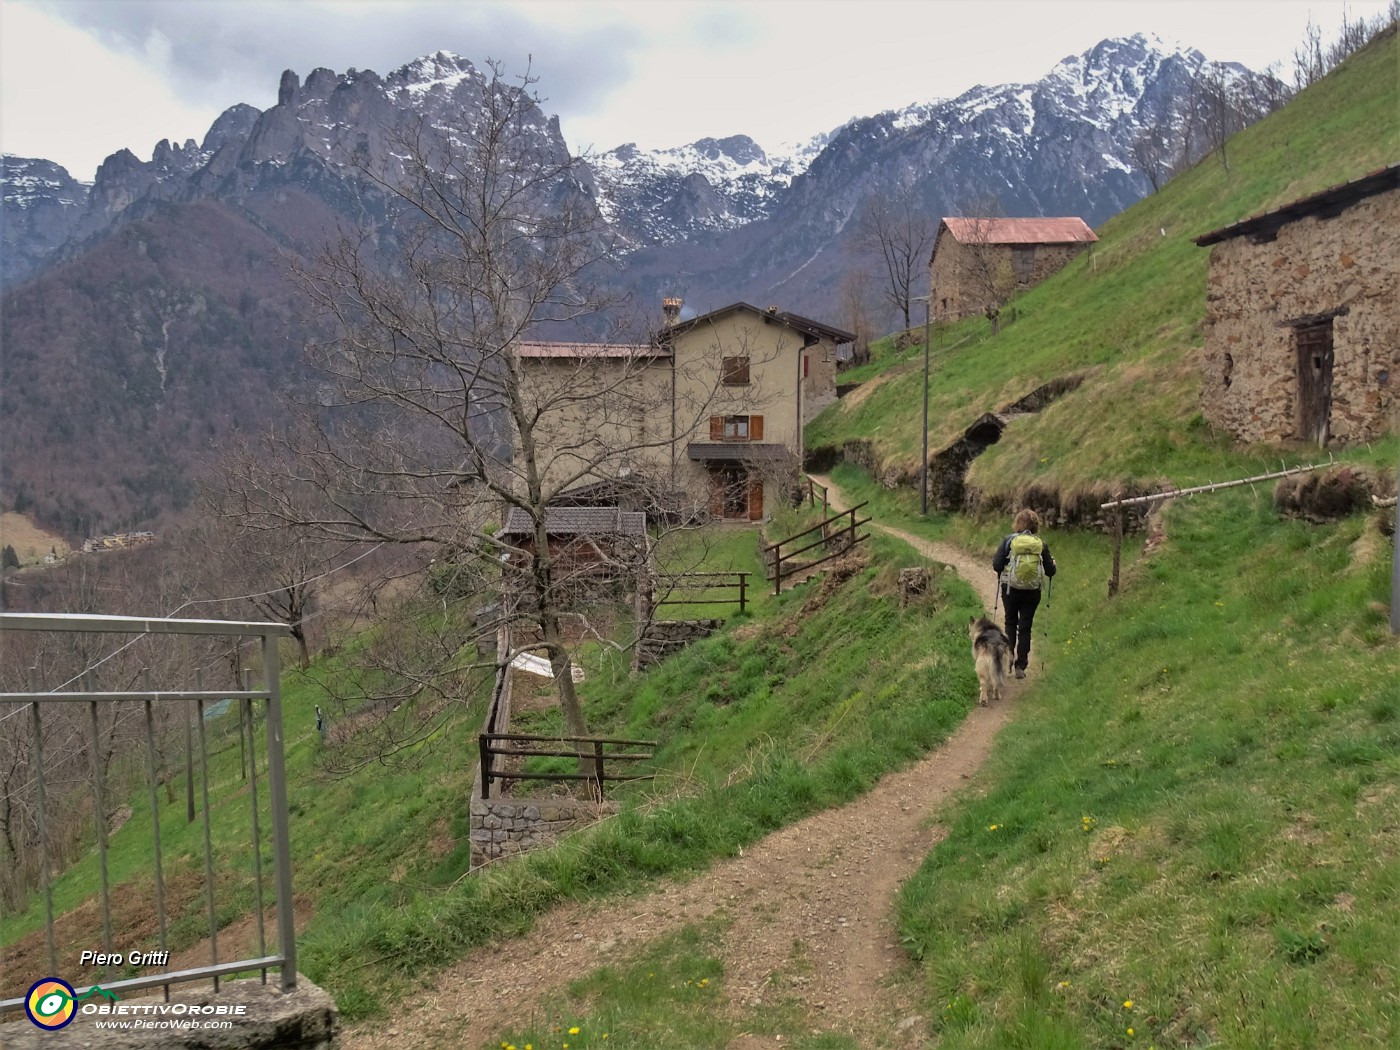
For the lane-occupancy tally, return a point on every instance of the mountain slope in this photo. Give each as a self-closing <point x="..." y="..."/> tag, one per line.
<point x="1128" y="315"/>
<point x="738" y="223"/>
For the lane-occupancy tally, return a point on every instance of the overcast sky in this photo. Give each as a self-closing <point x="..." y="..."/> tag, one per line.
<point x="80" y="79"/>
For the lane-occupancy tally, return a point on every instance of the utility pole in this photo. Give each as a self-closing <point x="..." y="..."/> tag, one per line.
<point x="1395" y="570"/>
<point x="923" y="463"/>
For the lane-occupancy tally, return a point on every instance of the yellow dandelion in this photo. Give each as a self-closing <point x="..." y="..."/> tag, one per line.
<point x="573" y="1030"/>
<point x="1127" y="1004"/>
<point x="1130" y="1033"/>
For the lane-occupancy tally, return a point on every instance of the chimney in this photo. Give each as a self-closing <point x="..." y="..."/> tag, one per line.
<point x="671" y="310"/>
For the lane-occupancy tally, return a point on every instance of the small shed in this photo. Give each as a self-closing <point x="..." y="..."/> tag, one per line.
<point x="597" y="542"/>
<point x="977" y="263"/>
<point x="1301" y="327"/>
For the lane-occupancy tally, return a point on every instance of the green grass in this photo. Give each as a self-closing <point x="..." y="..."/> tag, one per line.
<point x="1196" y="810"/>
<point x="1128" y="314"/>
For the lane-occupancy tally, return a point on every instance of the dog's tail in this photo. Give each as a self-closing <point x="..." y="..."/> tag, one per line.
<point x="1001" y="661"/>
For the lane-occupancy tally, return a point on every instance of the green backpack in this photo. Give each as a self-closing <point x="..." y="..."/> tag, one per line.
<point x="1024" y="568"/>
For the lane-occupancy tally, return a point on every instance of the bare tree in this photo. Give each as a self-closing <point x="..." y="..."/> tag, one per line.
<point x="1151" y="152"/>
<point x="898" y="230"/>
<point x="440" y="411"/>
<point x="855" y="296"/>
<point x="984" y="264"/>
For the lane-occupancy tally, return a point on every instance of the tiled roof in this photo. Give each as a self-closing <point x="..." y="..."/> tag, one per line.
<point x="1330" y="201"/>
<point x="579" y="521"/>
<point x="802" y="324"/>
<point x="1064" y="230"/>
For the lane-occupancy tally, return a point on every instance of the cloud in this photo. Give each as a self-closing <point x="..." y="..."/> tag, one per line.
<point x="213" y="52"/>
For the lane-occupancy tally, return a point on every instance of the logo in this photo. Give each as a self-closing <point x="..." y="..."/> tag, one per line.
<point x="50" y="1003"/>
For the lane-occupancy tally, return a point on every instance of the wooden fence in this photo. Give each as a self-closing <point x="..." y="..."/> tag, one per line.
<point x="838" y="540"/>
<point x="691" y="583"/>
<point x="585" y="749"/>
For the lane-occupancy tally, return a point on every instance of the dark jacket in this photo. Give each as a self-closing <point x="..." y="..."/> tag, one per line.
<point x="1003" y="555"/>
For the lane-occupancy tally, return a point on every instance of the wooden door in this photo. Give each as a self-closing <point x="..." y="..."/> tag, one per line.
<point x="1315" y="360"/>
<point x="755" y="498"/>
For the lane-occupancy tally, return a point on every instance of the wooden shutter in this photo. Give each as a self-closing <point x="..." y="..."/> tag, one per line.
<point x="716" y="428"/>
<point x="755" y="498"/>
<point x="755" y="428"/>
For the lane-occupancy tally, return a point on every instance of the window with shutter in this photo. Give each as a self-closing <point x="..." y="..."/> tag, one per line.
<point x="736" y="428"/>
<point x="734" y="371"/>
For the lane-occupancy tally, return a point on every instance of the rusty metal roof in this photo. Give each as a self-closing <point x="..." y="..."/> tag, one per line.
<point x="1329" y="202"/>
<point x="1063" y="230"/>
<point x="579" y="521"/>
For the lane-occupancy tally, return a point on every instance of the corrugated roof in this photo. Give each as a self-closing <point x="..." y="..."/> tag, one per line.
<point x="582" y="351"/>
<point x="579" y="521"/>
<point x="1064" y="230"/>
<point x="1331" y="201"/>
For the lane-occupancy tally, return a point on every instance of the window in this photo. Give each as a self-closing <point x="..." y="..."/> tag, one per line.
<point x="734" y="371"/>
<point x="736" y="428"/>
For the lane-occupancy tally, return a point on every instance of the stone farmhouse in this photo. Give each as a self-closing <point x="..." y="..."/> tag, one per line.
<point x="1302" y="338"/>
<point x="978" y="264"/>
<point x="712" y="409"/>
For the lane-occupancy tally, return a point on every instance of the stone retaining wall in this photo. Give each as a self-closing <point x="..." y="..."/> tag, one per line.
<point x="665" y="637"/>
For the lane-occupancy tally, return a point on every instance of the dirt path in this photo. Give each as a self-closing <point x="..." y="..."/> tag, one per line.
<point x="819" y="891"/>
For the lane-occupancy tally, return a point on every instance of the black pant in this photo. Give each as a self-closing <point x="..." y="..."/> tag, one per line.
<point x="1020" y="614"/>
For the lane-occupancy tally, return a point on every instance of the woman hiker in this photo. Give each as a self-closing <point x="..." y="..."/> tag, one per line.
<point x="1022" y="564"/>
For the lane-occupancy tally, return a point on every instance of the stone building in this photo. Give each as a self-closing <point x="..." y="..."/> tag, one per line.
<point x="979" y="264"/>
<point x="1301" y="327"/>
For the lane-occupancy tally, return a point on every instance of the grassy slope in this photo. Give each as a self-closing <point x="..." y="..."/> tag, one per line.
<point x="1228" y="725"/>
<point x="1130" y="313"/>
<point x="1198" y="813"/>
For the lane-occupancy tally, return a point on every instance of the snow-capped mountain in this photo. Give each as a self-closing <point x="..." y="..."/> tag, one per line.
<point x="42" y="205"/>
<point x="175" y="280"/>
<point x="1063" y="145"/>
<point x="664" y="195"/>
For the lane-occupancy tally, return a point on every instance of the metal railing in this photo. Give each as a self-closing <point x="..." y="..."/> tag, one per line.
<point x="284" y="958"/>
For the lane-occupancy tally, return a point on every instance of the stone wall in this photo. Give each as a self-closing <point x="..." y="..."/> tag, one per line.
<point x="1343" y="266"/>
<point x="963" y="277"/>
<point x="664" y="637"/>
<point x="501" y="827"/>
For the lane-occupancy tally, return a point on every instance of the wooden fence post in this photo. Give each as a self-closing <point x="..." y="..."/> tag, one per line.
<point x="1117" y="549"/>
<point x="743" y="578"/>
<point x="485" y="766"/>
<point x="598" y="766"/>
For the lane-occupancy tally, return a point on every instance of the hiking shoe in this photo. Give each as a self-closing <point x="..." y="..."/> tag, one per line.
<point x="1020" y="672"/>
